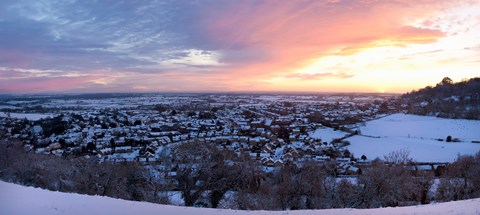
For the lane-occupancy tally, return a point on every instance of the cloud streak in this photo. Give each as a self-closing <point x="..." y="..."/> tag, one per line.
<point x="321" y="76"/>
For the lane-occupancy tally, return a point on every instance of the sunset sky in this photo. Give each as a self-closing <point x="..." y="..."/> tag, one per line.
<point x="393" y="46"/>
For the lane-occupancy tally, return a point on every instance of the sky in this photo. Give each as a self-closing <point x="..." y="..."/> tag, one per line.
<point x="88" y="46"/>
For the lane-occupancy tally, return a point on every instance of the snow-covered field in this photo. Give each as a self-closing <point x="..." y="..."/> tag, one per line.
<point x="20" y="200"/>
<point x="29" y="116"/>
<point x="327" y="134"/>
<point x="419" y="135"/>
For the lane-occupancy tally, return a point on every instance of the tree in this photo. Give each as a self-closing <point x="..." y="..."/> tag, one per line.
<point x="200" y="167"/>
<point x="91" y="147"/>
<point x="223" y="175"/>
<point x="346" y="153"/>
<point x="345" y="195"/>
<point x="160" y="108"/>
<point x="421" y="183"/>
<point x="401" y="156"/>
<point x="252" y="192"/>
<point x="284" y="132"/>
<point x="137" y="122"/>
<point x="383" y="186"/>
<point x="311" y="184"/>
<point x="449" y="138"/>
<point x="112" y="144"/>
<point x="446" y="81"/>
<point x="62" y="143"/>
<point x="384" y="107"/>
<point x="461" y="180"/>
<point x="287" y="190"/>
<point x="135" y="181"/>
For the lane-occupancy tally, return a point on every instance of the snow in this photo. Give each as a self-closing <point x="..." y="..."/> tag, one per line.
<point x="20" y="200"/>
<point x="414" y="126"/>
<point x="419" y="135"/>
<point x="29" y="116"/>
<point x="327" y="134"/>
<point x="420" y="150"/>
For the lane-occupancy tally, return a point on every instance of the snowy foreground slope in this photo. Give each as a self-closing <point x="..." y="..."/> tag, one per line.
<point x="20" y="200"/>
<point x="418" y="134"/>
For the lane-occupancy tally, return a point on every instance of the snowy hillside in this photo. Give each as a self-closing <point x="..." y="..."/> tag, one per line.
<point x="420" y="135"/>
<point x="20" y="200"/>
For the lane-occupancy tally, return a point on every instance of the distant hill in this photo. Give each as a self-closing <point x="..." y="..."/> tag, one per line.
<point x="447" y="99"/>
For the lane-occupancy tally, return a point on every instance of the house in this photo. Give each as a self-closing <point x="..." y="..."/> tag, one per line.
<point x="342" y="160"/>
<point x="352" y="170"/>
<point x="268" y="162"/>
<point x="321" y="158"/>
<point x="105" y="151"/>
<point x="53" y="146"/>
<point x="278" y="163"/>
<point x="123" y="149"/>
<point x="36" y="130"/>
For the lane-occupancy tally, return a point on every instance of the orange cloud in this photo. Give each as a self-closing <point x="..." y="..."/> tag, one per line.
<point x="402" y="36"/>
<point x="291" y="33"/>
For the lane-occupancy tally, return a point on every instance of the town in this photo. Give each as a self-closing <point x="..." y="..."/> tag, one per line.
<point x="272" y="129"/>
<point x="242" y="151"/>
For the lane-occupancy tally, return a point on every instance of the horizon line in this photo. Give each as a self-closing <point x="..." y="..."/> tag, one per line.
<point x="196" y="92"/>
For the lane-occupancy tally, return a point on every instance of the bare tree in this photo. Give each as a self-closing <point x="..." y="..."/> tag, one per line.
<point x="200" y="167"/>
<point x="401" y="156"/>
<point x="461" y="180"/>
<point x="345" y="195"/>
<point x="312" y="179"/>
<point x="286" y="188"/>
<point x="382" y="186"/>
<point x="253" y="191"/>
<point x="421" y="185"/>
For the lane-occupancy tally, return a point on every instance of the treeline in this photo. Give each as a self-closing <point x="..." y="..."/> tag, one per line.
<point x="207" y="176"/>
<point x="79" y="175"/>
<point x="447" y="99"/>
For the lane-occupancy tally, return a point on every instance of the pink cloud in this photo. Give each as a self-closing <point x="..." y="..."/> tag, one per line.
<point x="14" y="57"/>
<point x="44" y="84"/>
<point x="289" y="33"/>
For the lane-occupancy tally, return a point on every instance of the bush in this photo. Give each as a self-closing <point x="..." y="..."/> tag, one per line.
<point x="449" y="138"/>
